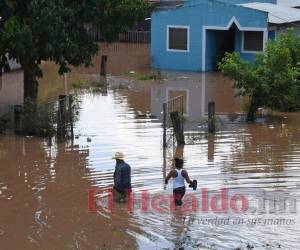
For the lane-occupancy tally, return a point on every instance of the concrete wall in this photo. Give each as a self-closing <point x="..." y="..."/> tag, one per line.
<point x="206" y="14"/>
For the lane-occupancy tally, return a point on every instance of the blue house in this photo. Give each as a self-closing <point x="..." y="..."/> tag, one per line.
<point x="195" y="35"/>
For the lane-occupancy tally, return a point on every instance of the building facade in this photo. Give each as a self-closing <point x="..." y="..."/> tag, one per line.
<point x="196" y="35"/>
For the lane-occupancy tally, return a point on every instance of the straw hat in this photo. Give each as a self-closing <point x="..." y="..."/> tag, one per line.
<point x="119" y="156"/>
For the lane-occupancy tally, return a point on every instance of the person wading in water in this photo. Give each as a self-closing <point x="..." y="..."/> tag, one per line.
<point x="179" y="175"/>
<point x="122" y="178"/>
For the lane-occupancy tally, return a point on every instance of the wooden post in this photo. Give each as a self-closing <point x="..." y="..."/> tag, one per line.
<point x="211" y="147"/>
<point x="103" y="71"/>
<point x="178" y="128"/>
<point x="211" y="118"/>
<point x="61" y="124"/>
<point x="165" y="112"/>
<point x="164" y="164"/>
<point x="66" y="83"/>
<point x="18" y="119"/>
<point x="71" y="115"/>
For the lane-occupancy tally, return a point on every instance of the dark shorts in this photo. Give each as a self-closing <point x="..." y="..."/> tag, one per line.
<point x="178" y="194"/>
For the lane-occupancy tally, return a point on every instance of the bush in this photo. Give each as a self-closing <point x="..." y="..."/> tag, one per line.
<point x="39" y="120"/>
<point x="273" y="80"/>
<point x="4" y="120"/>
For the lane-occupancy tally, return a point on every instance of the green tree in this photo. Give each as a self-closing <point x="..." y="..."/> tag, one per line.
<point x="273" y="80"/>
<point x="33" y="31"/>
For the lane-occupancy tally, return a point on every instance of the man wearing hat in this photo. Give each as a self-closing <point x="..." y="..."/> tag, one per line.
<point x="122" y="178"/>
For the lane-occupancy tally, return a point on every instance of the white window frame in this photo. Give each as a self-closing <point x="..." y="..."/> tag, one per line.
<point x="188" y="38"/>
<point x="252" y="51"/>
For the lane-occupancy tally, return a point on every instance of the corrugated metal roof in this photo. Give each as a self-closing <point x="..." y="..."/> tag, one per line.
<point x="278" y="14"/>
<point x="289" y="3"/>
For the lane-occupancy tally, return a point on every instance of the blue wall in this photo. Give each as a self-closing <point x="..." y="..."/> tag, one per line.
<point x="197" y="16"/>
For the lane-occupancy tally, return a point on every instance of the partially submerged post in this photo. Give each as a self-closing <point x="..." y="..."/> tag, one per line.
<point x="18" y="119"/>
<point x="211" y="118"/>
<point x="103" y="71"/>
<point x="71" y="115"/>
<point x="165" y="125"/>
<point x="211" y="147"/>
<point x="164" y="163"/>
<point x="177" y="122"/>
<point x="61" y="123"/>
<point x="66" y="83"/>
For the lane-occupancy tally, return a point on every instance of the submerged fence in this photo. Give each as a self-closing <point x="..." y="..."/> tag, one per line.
<point x="177" y="104"/>
<point x="47" y="119"/>
<point x="173" y="111"/>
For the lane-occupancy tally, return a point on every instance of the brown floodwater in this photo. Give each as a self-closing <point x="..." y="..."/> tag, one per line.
<point x="44" y="186"/>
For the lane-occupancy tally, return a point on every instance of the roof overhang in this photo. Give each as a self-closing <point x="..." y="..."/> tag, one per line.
<point x="289" y="3"/>
<point x="277" y="14"/>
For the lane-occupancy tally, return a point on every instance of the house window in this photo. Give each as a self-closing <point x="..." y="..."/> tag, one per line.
<point x="178" y="38"/>
<point x="253" y="41"/>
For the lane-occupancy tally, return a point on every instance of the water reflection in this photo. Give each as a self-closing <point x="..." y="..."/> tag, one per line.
<point x="198" y="90"/>
<point x="44" y="199"/>
<point x="229" y="159"/>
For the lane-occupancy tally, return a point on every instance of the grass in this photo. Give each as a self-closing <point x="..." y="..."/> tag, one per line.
<point x="153" y="76"/>
<point x="88" y="84"/>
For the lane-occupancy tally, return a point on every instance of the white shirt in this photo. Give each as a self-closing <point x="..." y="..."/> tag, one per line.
<point x="179" y="180"/>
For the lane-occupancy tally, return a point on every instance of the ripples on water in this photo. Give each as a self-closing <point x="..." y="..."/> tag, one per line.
<point x="243" y="158"/>
<point x="43" y="188"/>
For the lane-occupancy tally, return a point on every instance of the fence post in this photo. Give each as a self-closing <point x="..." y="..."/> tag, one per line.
<point x="18" y="119"/>
<point x="103" y="71"/>
<point x="61" y="124"/>
<point x="211" y="118"/>
<point x="165" y="112"/>
<point x="210" y="147"/>
<point x="164" y="165"/>
<point x="71" y="115"/>
<point x="178" y="128"/>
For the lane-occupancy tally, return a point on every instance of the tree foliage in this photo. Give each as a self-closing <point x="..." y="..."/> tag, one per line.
<point x="32" y="31"/>
<point x="273" y="80"/>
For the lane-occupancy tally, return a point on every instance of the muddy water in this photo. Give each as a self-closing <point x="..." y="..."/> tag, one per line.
<point x="43" y="187"/>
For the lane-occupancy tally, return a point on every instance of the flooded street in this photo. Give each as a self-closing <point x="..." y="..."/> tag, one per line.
<point x="44" y="186"/>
